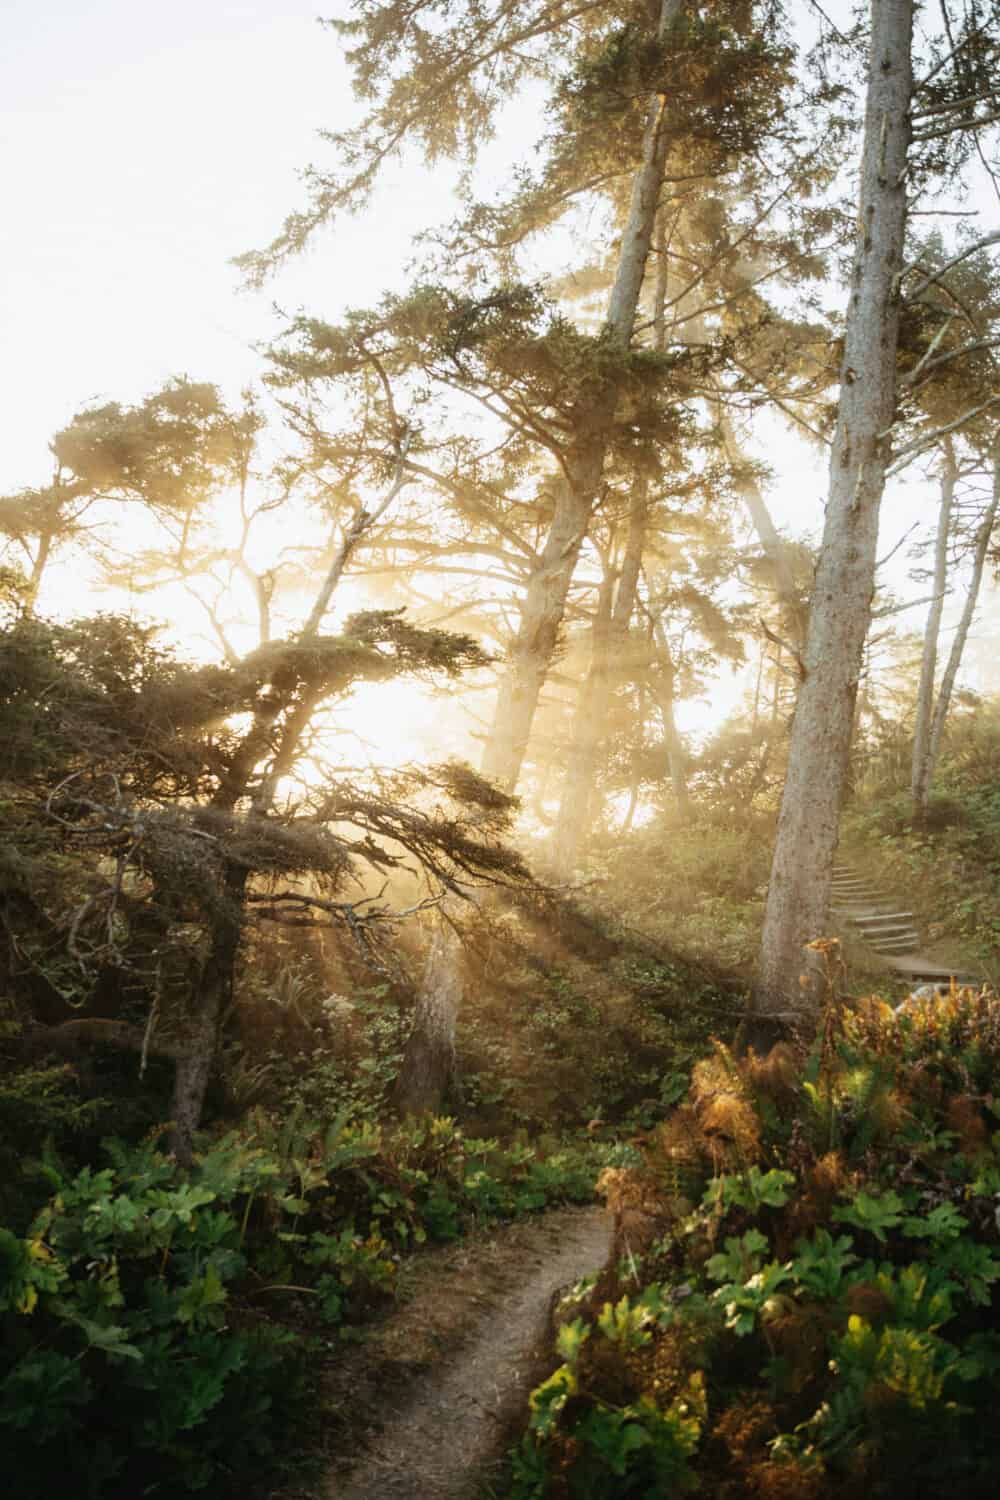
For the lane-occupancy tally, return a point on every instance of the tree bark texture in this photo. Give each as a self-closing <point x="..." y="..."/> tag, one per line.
<point x="921" y="767"/>
<point x="196" y="1057"/>
<point x="428" y="1064"/>
<point x="841" y="610"/>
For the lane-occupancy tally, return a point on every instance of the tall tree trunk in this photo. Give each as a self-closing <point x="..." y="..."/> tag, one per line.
<point x="794" y="614"/>
<point x="841" y="610"/>
<point x="662" y="688"/>
<point x="545" y="598"/>
<point x="428" y="1065"/>
<point x="921" y="767"/>
<point x="586" y="736"/>
<point x="609" y="666"/>
<point x="983" y="537"/>
<point x="194" y="1064"/>
<point x="538" y="630"/>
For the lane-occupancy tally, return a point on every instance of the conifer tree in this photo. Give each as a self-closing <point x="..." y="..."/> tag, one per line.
<point x="914" y="127"/>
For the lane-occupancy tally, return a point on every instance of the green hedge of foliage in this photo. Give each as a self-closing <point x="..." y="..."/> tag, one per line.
<point x="154" y="1324"/>
<point x="806" y="1302"/>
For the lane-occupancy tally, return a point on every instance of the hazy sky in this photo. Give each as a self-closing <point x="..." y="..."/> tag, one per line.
<point x="141" y="147"/>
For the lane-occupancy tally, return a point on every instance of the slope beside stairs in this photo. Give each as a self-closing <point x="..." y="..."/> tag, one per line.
<point x="888" y="930"/>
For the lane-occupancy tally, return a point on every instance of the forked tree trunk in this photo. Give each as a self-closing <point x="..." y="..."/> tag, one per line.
<point x="841" y="609"/>
<point x="40" y="562"/>
<point x="280" y="745"/>
<point x="920" y="775"/>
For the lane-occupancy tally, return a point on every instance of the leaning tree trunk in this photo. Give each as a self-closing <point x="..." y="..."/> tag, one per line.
<point x="983" y="537"/>
<point x="545" y="599"/>
<point x="920" y="777"/>
<point x="841" y="609"/>
<point x="794" y="613"/>
<point x="538" y="631"/>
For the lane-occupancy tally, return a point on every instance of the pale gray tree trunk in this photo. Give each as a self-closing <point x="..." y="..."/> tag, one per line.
<point x="38" y="566"/>
<point x="530" y="656"/>
<point x="545" y="598"/>
<point x="586" y="738"/>
<point x="610" y="665"/>
<point x="662" y="688"/>
<point x="841" y="608"/>
<point x="921" y="766"/>
<point x="983" y="538"/>
<point x="777" y="551"/>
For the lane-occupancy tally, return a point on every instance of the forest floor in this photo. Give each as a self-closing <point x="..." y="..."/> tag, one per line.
<point x="426" y="1407"/>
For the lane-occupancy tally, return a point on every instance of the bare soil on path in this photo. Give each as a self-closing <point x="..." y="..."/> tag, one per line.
<point x="427" y="1406"/>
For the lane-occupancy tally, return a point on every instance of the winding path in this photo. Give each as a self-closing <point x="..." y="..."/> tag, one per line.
<point x="452" y="1421"/>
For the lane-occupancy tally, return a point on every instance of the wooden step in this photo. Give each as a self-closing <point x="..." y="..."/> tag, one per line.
<point x="879" y="918"/>
<point x="921" y="971"/>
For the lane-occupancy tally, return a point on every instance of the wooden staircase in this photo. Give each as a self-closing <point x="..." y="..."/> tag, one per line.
<point x="889" y="931"/>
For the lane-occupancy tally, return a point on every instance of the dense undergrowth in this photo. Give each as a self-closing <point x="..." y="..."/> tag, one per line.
<point x="698" y="888"/>
<point x="803" y="1303"/>
<point x="156" y="1325"/>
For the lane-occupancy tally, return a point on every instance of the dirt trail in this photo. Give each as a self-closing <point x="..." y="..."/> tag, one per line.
<point x="448" y="1374"/>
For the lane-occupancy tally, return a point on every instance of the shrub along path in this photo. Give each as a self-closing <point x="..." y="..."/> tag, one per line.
<point x="446" y="1377"/>
<point x="891" y="932"/>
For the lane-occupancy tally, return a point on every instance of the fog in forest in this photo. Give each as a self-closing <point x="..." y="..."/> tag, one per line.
<point x="499" y="739"/>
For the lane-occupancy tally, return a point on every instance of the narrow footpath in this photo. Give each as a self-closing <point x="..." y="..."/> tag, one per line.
<point x="889" y="931"/>
<point x="447" y="1377"/>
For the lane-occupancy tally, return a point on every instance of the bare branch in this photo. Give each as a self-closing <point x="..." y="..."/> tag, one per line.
<point x="983" y="244"/>
<point x="974" y="124"/>
<point x="920" y="444"/>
